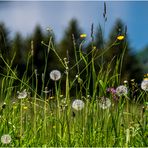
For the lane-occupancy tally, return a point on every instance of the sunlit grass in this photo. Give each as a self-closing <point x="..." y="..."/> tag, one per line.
<point x="57" y="119"/>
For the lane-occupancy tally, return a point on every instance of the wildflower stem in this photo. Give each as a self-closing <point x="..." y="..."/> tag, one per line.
<point x="45" y="120"/>
<point x="76" y="57"/>
<point x="21" y="122"/>
<point x="67" y="86"/>
<point x="121" y="61"/>
<point x="35" y="95"/>
<point x="46" y="63"/>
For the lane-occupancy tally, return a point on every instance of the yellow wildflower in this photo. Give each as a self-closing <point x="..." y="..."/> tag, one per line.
<point x="146" y="75"/>
<point x="25" y="107"/>
<point x="120" y="37"/>
<point x="145" y="79"/>
<point x="94" y="47"/>
<point x="54" y="126"/>
<point x="14" y="107"/>
<point x="83" y="35"/>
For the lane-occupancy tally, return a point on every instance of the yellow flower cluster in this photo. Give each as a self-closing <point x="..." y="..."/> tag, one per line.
<point x="146" y="77"/>
<point x="120" y="37"/>
<point x="83" y="35"/>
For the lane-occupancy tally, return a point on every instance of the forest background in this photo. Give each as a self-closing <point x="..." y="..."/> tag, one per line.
<point x="18" y="47"/>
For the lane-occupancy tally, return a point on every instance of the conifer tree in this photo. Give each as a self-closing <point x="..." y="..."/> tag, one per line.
<point x="17" y="52"/>
<point x="70" y="41"/>
<point x="4" y="40"/>
<point x="4" y="46"/>
<point x="38" y="53"/>
<point x="129" y="68"/>
<point x="69" y="48"/>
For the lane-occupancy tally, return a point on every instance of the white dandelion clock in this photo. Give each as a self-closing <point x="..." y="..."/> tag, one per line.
<point x="6" y="139"/>
<point x="104" y="103"/>
<point x="144" y="84"/>
<point x="22" y="95"/>
<point x="78" y="104"/>
<point x="55" y="75"/>
<point x="121" y="90"/>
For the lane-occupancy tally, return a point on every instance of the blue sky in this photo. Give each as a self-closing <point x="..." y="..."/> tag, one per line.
<point x="24" y="16"/>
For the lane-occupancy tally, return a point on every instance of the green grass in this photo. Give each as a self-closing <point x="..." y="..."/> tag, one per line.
<point x="48" y="121"/>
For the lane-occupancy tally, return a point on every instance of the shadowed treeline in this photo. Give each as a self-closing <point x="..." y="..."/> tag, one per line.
<point x="17" y="50"/>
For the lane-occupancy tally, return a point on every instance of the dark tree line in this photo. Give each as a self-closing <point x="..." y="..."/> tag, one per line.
<point x="19" y="48"/>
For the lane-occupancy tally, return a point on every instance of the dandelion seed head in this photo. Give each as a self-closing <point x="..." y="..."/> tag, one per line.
<point x="121" y="90"/>
<point x="78" y="105"/>
<point x="144" y="84"/>
<point x="22" y="95"/>
<point x="104" y="103"/>
<point x="55" y="75"/>
<point x="6" y="139"/>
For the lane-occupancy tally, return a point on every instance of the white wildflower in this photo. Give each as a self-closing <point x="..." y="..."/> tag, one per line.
<point x="144" y="84"/>
<point x="6" y="139"/>
<point x="121" y="90"/>
<point x="104" y="103"/>
<point x="22" y="95"/>
<point x="78" y="104"/>
<point x="55" y="75"/>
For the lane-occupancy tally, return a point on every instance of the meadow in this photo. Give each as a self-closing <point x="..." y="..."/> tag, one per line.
<point x="113" y="115"/>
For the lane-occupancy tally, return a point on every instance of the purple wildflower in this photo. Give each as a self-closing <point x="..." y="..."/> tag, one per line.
<point x="112" y="91"/>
